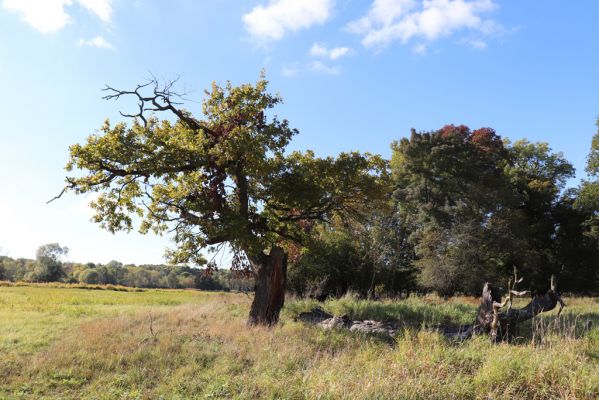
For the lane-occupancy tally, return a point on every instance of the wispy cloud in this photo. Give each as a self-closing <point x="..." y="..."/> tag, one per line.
<point x="312" y="67"/>
<point x="101" y="8"/>
<point x="320" y="50"/>
<point x="402" y="20"/>
<point x="475" y="43"/>
<point x="322" y="68"/>
<point x="98" y="42"/>
<point x="290" y="70"/>
<point x="420" y="49"/>
<point x="273" y="21"/>
<point x="50" y="15"/>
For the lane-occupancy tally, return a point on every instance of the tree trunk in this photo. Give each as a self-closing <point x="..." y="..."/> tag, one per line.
<point x="269" y="296"/>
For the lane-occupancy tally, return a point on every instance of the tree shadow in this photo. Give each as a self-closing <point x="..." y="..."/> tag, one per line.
<point x="543" y="330"/>
<point x="454" y="320"/>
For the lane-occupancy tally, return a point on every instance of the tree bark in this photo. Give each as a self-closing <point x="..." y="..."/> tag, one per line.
<point x="269" y="296"/>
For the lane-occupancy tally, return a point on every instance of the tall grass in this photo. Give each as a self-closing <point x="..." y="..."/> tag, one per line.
<point x="198" y="346"/>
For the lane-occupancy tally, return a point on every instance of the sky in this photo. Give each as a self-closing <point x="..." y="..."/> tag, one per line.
<point x="354" y="74"/>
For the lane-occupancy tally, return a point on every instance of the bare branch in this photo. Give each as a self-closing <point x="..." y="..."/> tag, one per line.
<point x="71" y="185"/>
<point x="161" y="99"/>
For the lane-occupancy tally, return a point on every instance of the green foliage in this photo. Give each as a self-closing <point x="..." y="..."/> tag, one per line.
<point x="223" y="177"/>
<point x="204" y="281"/>
<point x="575" y="250"/>
<point x="475" y="206"/>
<point x="48" y="267"/>
<point x="370" y="257"/>
<point x="538" y="176"/>
<point x="90" y="276"/>
<point x="330" y="266"/>
<point x="453" y="196"/>
<point x="115" y="273"/>
<point x="588" y="198"/>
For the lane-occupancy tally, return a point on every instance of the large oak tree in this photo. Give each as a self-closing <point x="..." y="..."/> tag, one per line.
<point x="219" y="177"/>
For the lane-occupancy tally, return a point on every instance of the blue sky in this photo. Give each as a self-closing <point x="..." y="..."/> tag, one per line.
<point x="355" y="75"/>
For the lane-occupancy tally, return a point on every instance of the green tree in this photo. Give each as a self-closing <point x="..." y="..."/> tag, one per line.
<point x="330" y="265"/>
<point x="223" y="177"/>
<point x="453" y="199"/>
<point x="576" y="252"/>
<point x="89" y="276"/>
<point x="206" y="281"/>
<point x="172" y="279"/>
<point x="48" y="265"/>
<point x="588" y="197"/>
<point x="355" y="255"/>
<point x="538" y="176"/>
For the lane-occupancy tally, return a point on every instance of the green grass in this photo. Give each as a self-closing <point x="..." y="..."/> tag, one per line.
<point x="175" y="344"/>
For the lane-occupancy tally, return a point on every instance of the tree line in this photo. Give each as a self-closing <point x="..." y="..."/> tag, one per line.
<point x="48" y="266"/>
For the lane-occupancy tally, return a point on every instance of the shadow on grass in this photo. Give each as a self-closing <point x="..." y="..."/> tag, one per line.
<point x="414" y="311"/>
<point x="541" y="330"/>
<point x="448" y="317"/>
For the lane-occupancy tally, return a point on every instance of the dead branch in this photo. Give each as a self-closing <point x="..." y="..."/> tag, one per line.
<point x="501" y="324"/>
<point x="161" y="98"/>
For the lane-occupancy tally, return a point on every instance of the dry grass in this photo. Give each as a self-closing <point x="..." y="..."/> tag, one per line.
<point x="201" y="348"/>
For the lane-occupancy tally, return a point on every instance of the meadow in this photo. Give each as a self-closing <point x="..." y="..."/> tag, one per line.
<point x="73" y="342"/>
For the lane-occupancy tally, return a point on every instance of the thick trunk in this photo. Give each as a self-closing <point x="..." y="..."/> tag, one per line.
<point x="270" y="275"/>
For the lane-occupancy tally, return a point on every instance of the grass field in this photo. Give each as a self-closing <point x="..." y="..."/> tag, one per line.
<point x="175" y="344"/>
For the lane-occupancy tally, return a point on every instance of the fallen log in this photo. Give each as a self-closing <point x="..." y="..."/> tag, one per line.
<point x="329" y="321"/>
<point x="501" y="325"/>
<point x="490" y="320"/>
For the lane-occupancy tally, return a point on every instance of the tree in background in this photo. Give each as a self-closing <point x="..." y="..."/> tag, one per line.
<point x="221" y="178"/>
<point x="475" y="207"/>
<point x="48" y="265"/>
<point x="90" y="276"/>
<point x="576" y="252"/>
<point x="588" y="197"/>
<point x="330" y="265"/>
<point x="454" y="200"/>
<point x="538" y="176"/>
<point x="205" y="280"/>
<point x="369" y="257"/>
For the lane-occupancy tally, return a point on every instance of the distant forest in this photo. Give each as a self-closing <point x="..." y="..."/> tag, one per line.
<point x="48" y="267"/>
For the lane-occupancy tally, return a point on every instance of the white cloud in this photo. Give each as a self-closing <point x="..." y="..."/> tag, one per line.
<point x="476" y="44"/>
<point x="382" y="12"/>
<point x="273" y="21"/>
<point x="316" y="66"/>
<point x="420" y="49"/>
<point x="290" y="70"/>
<point x="320" y="50"/>
<point x="322" y="68"/>
<point x="101" y="8"/>
<point x="401" y="20"/>
<point x="98" y="42"/>
<point x="339" y="52"/>
<point x="50" y="15"/>
<point x="43" y="15"/>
